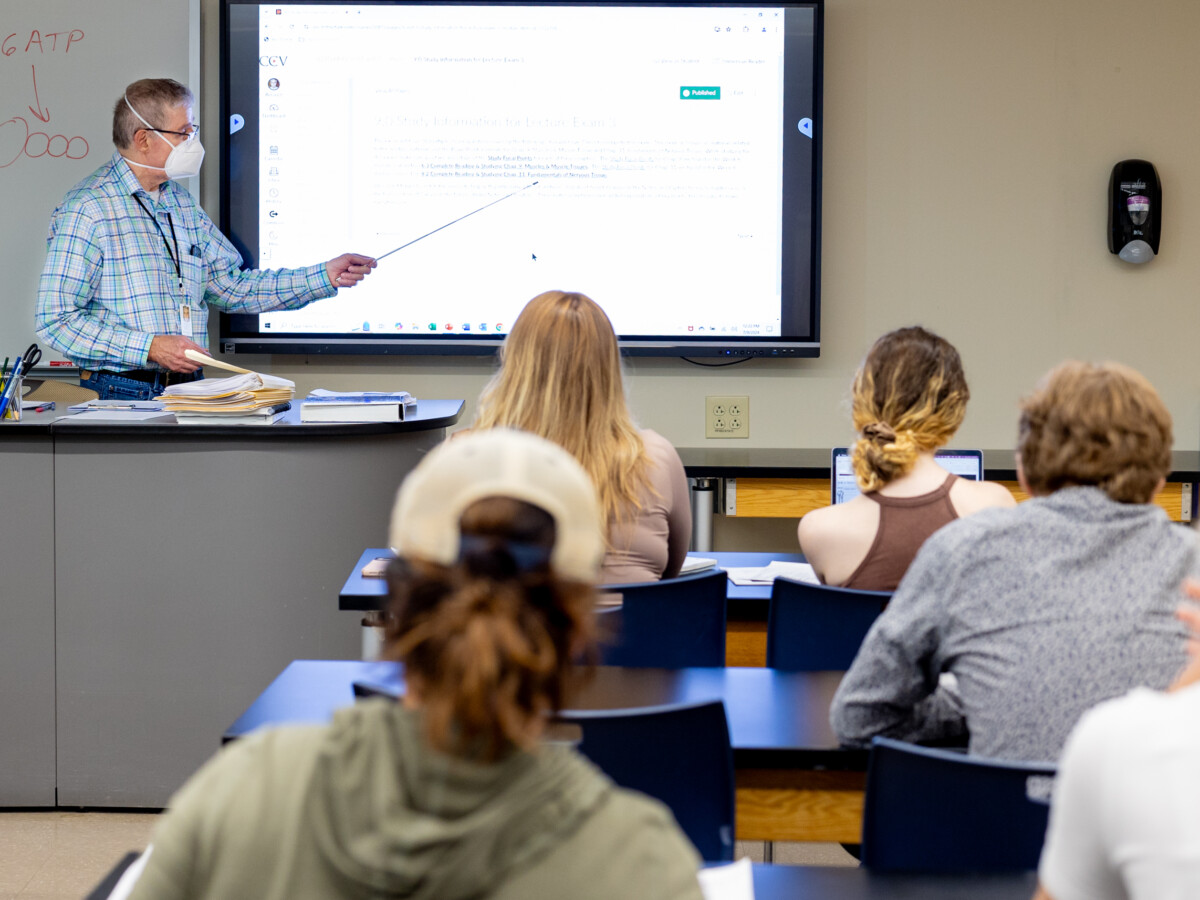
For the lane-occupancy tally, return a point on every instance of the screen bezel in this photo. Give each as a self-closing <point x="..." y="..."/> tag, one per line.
<point x="240" y="333"/>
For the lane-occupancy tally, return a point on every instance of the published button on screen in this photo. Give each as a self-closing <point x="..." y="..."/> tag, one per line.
<point x="690" y="92"/>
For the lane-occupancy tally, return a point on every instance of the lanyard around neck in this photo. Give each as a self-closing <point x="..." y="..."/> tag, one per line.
<point x="174" y="256"/>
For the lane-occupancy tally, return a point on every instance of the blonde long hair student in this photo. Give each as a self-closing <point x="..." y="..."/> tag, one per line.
<point x="560" y="378"/>
<point x="909" y="397"/>
<point x="450" y="794"/>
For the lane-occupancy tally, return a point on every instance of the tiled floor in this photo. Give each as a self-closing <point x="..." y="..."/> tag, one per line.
<point x="62" y="855"/>
<point x="798" y="854"/>
<point x="57" y="854"/>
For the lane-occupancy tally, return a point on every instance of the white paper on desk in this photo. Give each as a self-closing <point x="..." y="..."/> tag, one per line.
<point x="746" y="575"/>
<point x="732" y="882"/>
<point x="796" y="571"/>
<point x="99" y="414"/>
<point x="696" y="564"/>
<point x="116" y="404"/>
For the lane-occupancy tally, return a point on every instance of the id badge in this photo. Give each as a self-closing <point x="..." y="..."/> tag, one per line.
<point x="185" y="320"/>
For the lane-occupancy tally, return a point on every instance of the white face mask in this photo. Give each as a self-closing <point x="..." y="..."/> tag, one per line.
<point x="184" y="159"/>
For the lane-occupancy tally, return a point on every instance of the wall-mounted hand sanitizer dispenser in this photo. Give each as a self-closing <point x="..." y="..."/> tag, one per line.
<point x="1134" y="210"/>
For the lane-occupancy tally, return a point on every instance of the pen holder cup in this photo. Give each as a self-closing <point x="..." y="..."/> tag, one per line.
<point x="13" y="412"/>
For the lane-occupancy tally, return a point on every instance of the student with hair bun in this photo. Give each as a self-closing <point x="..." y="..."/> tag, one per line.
<point x="560" y="377"/>
<point x="909" y="397"/>
<point x="449" y="794"/>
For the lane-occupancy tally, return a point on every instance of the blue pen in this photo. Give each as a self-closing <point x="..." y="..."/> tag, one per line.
<point x="13" y="380"/>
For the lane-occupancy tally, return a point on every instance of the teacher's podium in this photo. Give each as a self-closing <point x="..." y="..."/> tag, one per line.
<point x="190" y="564"/>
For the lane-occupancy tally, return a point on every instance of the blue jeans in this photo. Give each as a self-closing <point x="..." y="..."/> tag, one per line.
<point x="114" y="387"/>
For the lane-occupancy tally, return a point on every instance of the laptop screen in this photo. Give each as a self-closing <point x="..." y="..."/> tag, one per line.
<point x="843" y="487"/>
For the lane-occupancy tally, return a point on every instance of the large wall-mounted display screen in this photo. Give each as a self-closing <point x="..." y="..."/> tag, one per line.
<point x="662" y="158"/>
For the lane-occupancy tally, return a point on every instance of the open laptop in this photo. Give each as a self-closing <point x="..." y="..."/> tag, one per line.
<point x="843" y="487"/>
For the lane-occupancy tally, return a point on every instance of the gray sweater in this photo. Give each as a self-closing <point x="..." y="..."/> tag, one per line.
<point x="1039" y="613"/>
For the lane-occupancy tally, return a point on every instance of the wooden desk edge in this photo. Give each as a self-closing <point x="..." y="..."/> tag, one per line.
<point x="799" y="805"/>
<point x="792" y="498"/>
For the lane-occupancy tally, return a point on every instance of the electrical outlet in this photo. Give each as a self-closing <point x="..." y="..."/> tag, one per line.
<point x="727" y="417"/>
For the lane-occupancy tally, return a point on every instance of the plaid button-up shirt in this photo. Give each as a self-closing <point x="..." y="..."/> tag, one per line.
<point x="109" y="284"/>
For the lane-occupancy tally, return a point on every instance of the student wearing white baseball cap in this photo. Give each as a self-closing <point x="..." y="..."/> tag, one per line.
<point x="451" y="793"/>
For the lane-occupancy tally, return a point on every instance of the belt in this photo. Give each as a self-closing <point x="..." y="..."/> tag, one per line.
<point x="150" y="376"/>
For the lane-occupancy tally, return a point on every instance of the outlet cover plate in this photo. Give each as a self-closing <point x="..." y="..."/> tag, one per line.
<point x="727" y="417"/>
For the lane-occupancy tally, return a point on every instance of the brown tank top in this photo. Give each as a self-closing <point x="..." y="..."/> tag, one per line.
<point x="904" y="524"/>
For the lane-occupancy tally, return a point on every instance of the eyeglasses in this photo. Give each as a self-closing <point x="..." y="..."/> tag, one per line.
<point x="186" y="135"/>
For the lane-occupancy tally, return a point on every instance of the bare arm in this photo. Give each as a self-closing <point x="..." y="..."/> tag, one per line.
<point x="679" y="504"/>
<point x="812" y="537"/>
<point x="836" y="539"/>
<point x="1189" y="614"/>
<point x="969" y="497"/>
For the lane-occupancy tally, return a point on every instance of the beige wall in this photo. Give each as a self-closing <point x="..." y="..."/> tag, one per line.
<point x="968" y="145"/>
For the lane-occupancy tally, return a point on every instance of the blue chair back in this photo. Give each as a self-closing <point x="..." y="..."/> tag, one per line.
<point x="817" y="628"/>
<point x="677" y="623"/>
<point x="941" y="811"/>
<point x="679" y="754"/>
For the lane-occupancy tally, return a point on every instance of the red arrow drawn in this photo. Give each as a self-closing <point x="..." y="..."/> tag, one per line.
<point x="38" y="112"/>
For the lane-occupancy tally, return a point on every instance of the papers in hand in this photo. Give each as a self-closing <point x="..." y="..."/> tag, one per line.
<point x="776" y="569"/>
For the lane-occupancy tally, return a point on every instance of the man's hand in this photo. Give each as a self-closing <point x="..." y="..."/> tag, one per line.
<point x="1189" y="614"/>
<point x="166" y="350"/>
<point x="349" y="269"/>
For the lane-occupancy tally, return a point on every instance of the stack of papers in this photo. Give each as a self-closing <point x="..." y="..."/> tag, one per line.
<point x="236" y="396"/>
<point x="776" y="569"/>
<point x="267" y="415"/>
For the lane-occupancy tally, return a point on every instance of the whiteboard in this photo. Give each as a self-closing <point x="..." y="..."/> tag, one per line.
<point x="63" y="65"/>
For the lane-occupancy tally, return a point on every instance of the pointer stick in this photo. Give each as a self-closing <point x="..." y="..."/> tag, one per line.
<point x="459" y="219"/>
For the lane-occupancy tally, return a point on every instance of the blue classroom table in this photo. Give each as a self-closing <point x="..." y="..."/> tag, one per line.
<point x="818" y="883"/>
<point x="746" y="630"/>
<point x="794" y="782"/>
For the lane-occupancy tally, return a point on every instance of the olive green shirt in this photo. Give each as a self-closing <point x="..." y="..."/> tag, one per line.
<point x="365" y="808"/>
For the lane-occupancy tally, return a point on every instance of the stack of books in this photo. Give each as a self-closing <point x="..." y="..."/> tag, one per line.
<point x="362" y="406"/>
<point x="250" y="399"/>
